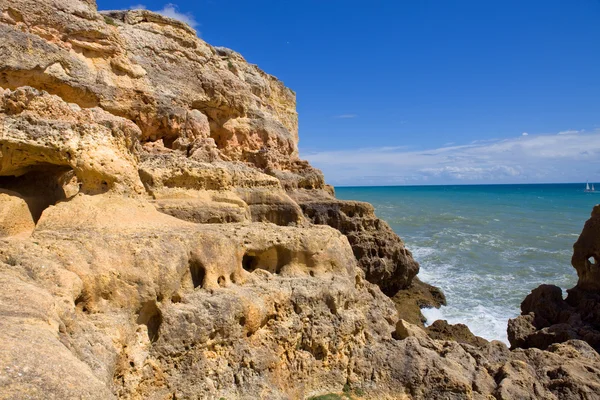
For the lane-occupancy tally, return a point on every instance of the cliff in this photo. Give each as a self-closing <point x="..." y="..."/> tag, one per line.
<point x="161" y="239"/>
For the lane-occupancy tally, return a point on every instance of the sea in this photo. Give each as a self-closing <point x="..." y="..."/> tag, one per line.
<point x="485" y="246"/>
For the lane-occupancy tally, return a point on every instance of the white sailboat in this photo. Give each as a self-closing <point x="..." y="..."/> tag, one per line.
<point x="592" y="190"/>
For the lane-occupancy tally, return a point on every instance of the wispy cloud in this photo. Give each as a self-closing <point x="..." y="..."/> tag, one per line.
<point x="569" y="132"/>
<point x="527" y="158"/>
<point x="345" y="116"/>
<point x="172" y="11"/>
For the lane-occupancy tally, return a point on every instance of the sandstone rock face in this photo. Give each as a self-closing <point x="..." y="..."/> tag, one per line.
<point x="160" y="238"/>
<point x="547" y="318"/>
<point x="15" y="217"/>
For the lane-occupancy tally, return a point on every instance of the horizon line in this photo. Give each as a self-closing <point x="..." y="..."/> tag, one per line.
<point x="465" y="184"/>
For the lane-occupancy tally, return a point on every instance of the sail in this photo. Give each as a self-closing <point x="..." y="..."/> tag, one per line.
<point x="587" y="186"/>
<point x="593" y="187"/>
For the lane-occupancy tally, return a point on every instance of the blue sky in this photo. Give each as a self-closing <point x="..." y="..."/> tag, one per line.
<point x="422" y="91"/>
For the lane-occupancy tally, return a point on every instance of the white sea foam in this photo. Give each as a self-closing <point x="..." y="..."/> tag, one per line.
<point x="488" y="323"/>
<point x="421" y="252"/>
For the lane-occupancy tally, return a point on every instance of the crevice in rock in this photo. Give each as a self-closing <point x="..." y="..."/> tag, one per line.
<point x="150" y="316"/>
<point x="330" y="301"/>
<point x="81" y="302"/>
<point x="198" y="273"/>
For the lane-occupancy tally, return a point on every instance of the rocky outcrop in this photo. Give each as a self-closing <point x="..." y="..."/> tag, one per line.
<point x="161" y="239"/>
<point x="379" y="251"/>
<point x="547" y="318"/>
<point x="416" y="296"/>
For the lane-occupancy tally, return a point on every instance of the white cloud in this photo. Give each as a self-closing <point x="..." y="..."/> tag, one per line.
<point x="530" y="158"/>
<point x="569" y="132"/>
<point x="525" y="134"/>
<point x="345" y="116"/>
<point x="172" y="11"/>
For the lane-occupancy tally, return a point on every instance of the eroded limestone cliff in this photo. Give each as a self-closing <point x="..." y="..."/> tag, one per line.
<point x="161" y="239"/>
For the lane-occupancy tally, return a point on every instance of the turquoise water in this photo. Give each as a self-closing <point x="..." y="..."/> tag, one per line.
<point x="486" y="246"/>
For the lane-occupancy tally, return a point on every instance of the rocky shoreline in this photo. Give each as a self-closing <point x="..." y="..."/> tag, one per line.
<point x="160" y="238"/>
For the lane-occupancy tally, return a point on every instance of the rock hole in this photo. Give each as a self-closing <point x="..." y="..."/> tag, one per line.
<point x="249" y="262"/>
<point x="42" y="186"/>
<point x="592" y="260"/>
<point x="243" y="321"/>
<point x="297" y="309"/>
<point x="318" y="351"/>
<point x="159" y="143"/>
<point x="176" y="298"/>
<point x="272" y="259"/>
<point x="330" y="301"/>
<point x="198" y="272"/>
<point x="81" y="302"/>
<point x="150" y="316"/>
<point x="311" y="273"/>
<point x="221" y="281"/>
<point x="168" y="141"/>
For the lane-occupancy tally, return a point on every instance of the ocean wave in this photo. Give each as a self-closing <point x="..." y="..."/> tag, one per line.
<point x="421" y="252"/>
<point x="486" y="251"/>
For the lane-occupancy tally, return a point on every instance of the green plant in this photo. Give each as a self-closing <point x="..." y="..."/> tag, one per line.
<point x="229" y="64"/>
<point x="109" y="21"/>
<point x="329" y="396"/>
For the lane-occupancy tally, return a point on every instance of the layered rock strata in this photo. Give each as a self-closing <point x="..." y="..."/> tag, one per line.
<point x="161" y="239"/>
